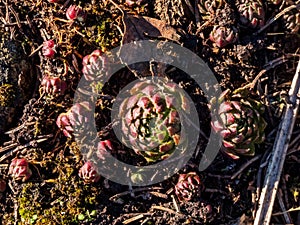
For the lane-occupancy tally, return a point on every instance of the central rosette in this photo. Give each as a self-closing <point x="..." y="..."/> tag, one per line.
<point x="150" y="119"/>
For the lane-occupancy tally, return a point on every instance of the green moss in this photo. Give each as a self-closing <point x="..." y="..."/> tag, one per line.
<point x="64" y="199"/>
<point x="103" y="34"/>
<point x="7" y="95"/>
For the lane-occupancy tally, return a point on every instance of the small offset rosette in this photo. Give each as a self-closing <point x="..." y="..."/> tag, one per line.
<point x="188" y="186"/>
<point x="19" y="169"/>
<point x="209" y="7"/>
<point x="75" y="122"/>
<point x="251" y="13"/>
<point x="238" y="119"/>
<point x="150" y="118"/>
<point x="95" y="65"/>
<point x="291" y="21"/>
<point x="223" y="35"/>
<point x="88" y="172"/>
<point x="53" y="86"/>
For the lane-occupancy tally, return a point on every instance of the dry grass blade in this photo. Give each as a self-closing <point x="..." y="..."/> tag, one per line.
<point x="158" y="194"/>
<point x="290" y="210"/>
<point x="275" y="166"/>
<point x="286" y="215"/>
<point x="113" y="198"/>
<point x="171" y="211"/>
<point x="138" y="217"/>
<point x="20" y="147"/>
<point x="175" y="203"/>
<point x="245" y="166"/>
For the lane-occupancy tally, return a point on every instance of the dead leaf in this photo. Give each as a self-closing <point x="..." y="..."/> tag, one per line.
<point x="139" y="28"/>
<point x="143" y="28"/>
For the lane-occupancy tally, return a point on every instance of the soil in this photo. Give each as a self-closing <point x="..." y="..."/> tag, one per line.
<point x="260" y="58"/>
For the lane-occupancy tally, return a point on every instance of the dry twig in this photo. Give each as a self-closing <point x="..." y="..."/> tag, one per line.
<point x="245" y="166"/>
<point x="272" y="179"/>
<point x="113" y="198"/>
<point x="277" y="17"/>
<point x="286" y="215"/>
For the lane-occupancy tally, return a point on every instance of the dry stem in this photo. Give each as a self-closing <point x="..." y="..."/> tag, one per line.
<point x="275" y="166"/>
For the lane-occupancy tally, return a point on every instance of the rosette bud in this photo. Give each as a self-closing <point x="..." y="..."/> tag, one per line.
<point x="19" y="169"/>
<point x="75" y="12"/>
<point x="89" y="173"/>
<point x="188" y="186"/>
<point x="53" y="85"/>
<point x="77" y="117"/>
<point x="103" y="148"/>
<point x="48" y="49"/>
<point x="251" y="13"/>
<point x="223" y="36"/>
<point x="94" y="65"/>
<point x="48" y="52"/>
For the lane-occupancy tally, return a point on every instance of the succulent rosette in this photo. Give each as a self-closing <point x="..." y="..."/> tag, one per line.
<point x="53" y="85"/>
<point x="75" y="12"/>
<point x="223" y="35"/>
<point x="19" y="169"/>
<point x="252" y="13"/>
<point x="89" y="173"/>
<point x="188" y="186"/>
<point x="207" y="7"/>
<point x="291" y="21"/>
<point x="76" y="119"/>
<point x="94" y="65"/>
<point x="150" y="119"/>
<point x="238" y="119"/>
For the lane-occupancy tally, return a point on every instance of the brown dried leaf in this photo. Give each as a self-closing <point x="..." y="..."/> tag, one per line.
<point x="143" y="28"/>
<point x="139" y="28"/>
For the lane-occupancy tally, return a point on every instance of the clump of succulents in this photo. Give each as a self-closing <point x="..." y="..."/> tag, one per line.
<point x="223" y="35"/>
<point x="94" y="65"/>
<point x="238" y="119"/>
<point x="19" y="169"/>
<point x="89" y="173"/>
<point x="150" y="119"/>
<point x="251" y="13"/>
<point x="53" y="85"/>
<point x="77" y="117"/>
<point x="188" y="186"/>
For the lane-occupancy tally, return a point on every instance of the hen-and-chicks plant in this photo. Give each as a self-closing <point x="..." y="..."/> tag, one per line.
<point x="238" y="119"/>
